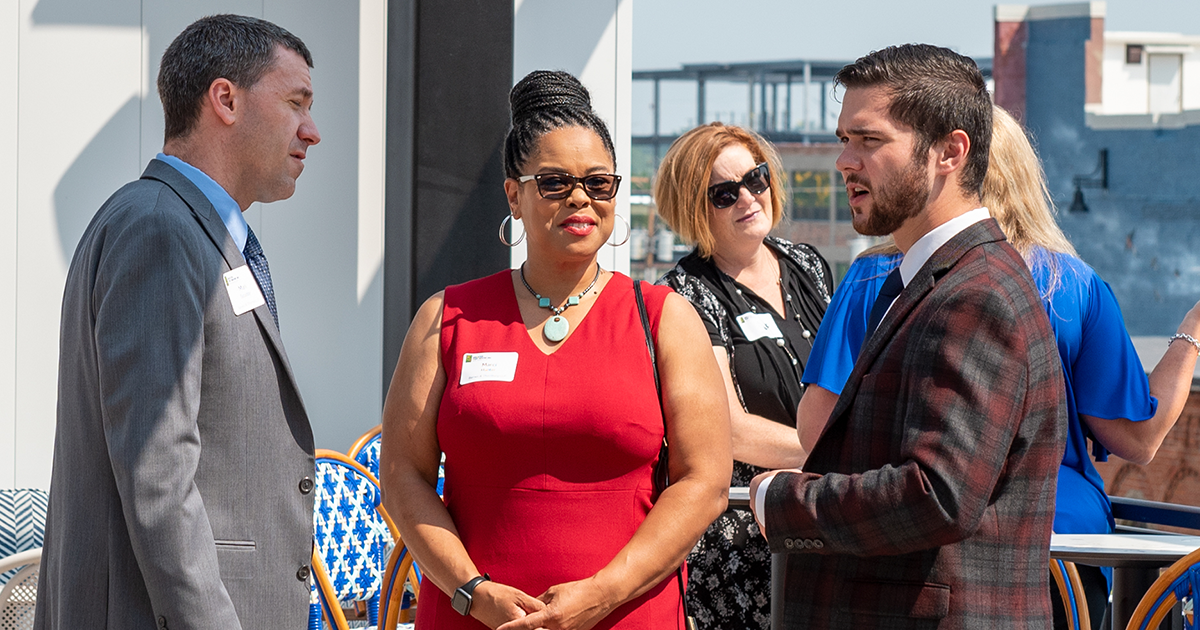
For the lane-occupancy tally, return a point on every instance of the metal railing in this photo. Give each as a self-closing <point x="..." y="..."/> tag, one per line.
<point x="1153" y="512"/>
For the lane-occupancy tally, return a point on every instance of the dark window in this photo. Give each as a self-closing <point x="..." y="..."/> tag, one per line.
<point x="810" y="196"/>
<point x="1133" y="53"/>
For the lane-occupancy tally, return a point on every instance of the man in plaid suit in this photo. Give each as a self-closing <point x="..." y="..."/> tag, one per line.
<point x="928" y="501"/>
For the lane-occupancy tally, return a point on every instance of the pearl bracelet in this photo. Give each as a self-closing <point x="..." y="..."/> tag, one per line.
<point x="1190" y="339"/>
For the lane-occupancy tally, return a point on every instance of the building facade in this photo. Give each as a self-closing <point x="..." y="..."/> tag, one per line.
<point x="1116" y="120"/>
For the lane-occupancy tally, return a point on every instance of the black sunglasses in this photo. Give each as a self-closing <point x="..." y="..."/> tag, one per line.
<point x="598" y="186"/>
<point x="725" y="194"/>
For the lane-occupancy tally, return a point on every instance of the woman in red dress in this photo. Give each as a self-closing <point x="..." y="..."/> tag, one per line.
<point x="537" y="385"/>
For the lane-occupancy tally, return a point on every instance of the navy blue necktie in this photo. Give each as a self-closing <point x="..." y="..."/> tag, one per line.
<point x="892" y="287"/>
<point x="262" y="273"/>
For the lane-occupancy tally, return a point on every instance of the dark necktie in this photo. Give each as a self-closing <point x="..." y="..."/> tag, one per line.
<point x="892" y="287"/>
<point x="262" y="273"/>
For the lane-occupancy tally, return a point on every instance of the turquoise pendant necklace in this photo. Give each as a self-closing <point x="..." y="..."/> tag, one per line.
<point x="557" y="327"/>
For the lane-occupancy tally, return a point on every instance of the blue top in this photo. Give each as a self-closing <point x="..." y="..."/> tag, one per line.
<point x="840" y="337"/>
<point x="226" y="207"/>
<point x="1103" y="374"/>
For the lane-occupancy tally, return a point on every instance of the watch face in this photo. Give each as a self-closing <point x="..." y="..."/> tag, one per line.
<point x="461" y="602"/>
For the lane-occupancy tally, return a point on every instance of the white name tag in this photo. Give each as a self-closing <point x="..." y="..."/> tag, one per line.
<point x="758" y="325"/>
<point x="488" y="366"/>
<point x="244" y="293"/>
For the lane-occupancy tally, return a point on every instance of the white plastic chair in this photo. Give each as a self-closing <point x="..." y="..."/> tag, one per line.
<point x="22" y="530"/>
<point x="19" y="596"/>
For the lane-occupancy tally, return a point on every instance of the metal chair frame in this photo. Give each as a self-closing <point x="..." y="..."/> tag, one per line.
<point x="1178" y="581"/>
<point x="1070" y="588"/>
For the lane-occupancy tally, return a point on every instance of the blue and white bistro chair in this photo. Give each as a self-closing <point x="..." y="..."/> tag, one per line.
<point x="365" y="451"/>
<point x="352" y="538"/>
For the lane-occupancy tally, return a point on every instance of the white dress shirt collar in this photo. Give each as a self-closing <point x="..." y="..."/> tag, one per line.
<point x="925" y="246"/>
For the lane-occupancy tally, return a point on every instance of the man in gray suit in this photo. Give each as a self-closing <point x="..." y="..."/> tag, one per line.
<point x="181" y="495"/>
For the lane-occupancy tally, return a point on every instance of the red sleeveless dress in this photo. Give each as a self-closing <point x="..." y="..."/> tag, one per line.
<point x="549" y="475"/>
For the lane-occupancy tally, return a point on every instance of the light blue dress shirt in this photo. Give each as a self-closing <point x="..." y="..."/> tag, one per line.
<point x="226" y="207"/>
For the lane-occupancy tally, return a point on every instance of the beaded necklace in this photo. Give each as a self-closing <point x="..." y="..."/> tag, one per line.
<point x="557" y="327"/>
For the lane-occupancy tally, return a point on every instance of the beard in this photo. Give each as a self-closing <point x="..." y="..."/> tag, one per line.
<point x="895" y="201"/>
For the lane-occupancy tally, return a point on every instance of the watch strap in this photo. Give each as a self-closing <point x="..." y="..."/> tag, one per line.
<point x="464" y="595"/>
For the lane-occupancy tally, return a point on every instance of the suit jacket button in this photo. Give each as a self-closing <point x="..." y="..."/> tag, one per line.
<point x="162" y="622"/>
<point x="808" y="543"/>
<point x="302" y="573"/>
<point x="306" y="485"/>
<point x="817" y="544"/>
<point x="788" y="543"/>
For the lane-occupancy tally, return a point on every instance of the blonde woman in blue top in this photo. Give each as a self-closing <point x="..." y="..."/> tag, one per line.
<point x="1109" y="398"/>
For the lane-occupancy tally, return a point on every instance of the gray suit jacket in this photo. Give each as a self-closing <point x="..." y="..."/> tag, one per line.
<point x="181" y="495"/>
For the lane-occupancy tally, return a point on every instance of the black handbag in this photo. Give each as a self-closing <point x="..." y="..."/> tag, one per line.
<point x="662" y="477"/>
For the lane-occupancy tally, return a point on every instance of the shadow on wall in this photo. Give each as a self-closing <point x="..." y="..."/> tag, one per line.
<point x="93" y="170"/>
<point x="94" y="176"/>
<point x="81" y="13"/>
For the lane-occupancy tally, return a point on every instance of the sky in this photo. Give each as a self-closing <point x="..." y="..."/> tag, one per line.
<point x="670" y="33"/>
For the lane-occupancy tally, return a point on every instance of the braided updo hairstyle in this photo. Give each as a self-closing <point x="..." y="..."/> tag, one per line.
<point x="543" y="101"/>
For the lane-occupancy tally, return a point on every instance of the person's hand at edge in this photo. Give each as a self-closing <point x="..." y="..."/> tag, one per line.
<point x="766" y="477"/>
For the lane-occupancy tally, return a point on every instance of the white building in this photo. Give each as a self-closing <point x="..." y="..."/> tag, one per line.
<point x="1150" y="75"/>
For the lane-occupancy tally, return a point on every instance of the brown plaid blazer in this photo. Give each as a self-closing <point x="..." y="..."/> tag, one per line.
<point x="928" y="500"/>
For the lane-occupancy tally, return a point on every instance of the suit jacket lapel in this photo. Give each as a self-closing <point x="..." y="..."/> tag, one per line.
<point x="941" y="262"/>
<point x="208" y="219"/>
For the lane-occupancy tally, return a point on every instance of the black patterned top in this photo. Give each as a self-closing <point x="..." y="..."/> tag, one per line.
<point x="766" y="373"/>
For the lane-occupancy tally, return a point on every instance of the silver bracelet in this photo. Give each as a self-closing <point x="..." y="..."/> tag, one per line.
<point x="1190" y="339"/>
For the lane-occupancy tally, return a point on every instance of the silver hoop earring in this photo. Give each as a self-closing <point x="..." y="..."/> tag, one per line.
<point x="628" y="232"/>
<point x="508" y="218"/>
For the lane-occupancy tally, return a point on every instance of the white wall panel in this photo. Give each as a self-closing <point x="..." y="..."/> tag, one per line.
<point x="1191" y="81"/>
<point x="79" y="99"/>
<point x="1124" y="86"/>
<point x="332" y="319"/>
<point x="10" y="20"/>
<point x="372" y="107"/>
<point x="81" y="116"/>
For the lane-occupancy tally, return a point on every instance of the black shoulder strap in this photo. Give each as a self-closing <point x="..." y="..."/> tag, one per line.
<point x="641" y="304"/>
<point x="661" y="478"/>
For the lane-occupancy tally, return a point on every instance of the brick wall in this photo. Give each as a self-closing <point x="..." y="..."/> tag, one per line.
<point x="1008" y="66"/>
